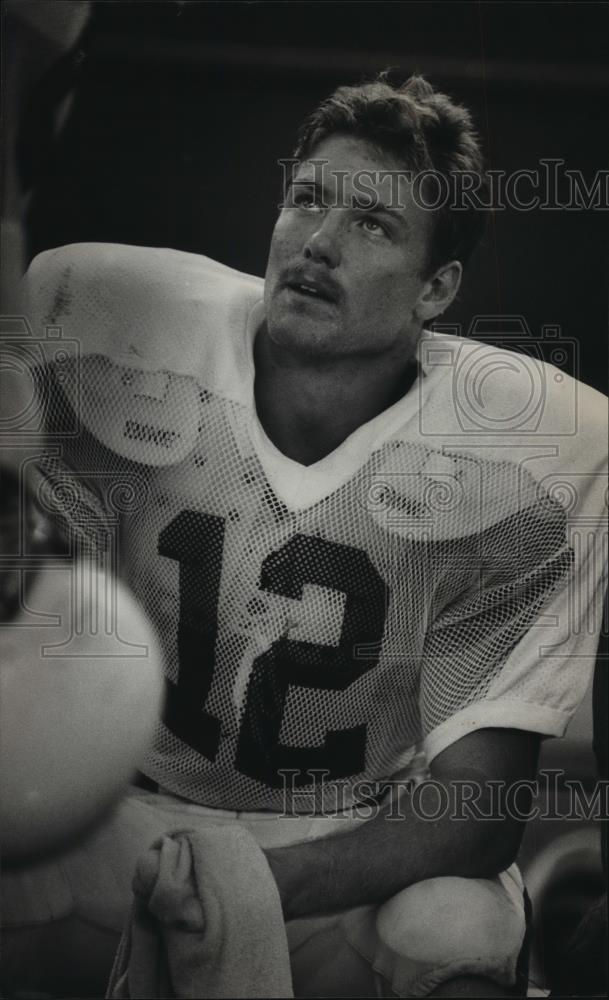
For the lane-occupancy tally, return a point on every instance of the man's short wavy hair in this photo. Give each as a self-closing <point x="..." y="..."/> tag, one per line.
<point x="424" y="130"/>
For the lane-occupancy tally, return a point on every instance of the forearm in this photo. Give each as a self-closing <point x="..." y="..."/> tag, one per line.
<point x="386" y="854"/>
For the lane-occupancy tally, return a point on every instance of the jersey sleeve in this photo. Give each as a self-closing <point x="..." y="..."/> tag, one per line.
<point x="147" y="307"/>
<point x="517" y="648"/>
<point x="77" y="309"/>
<point x="127" y="342"/>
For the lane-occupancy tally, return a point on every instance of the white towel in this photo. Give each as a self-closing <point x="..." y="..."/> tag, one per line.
<point x="206" y="922"/>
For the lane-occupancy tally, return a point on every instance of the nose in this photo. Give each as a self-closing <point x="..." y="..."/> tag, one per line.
<point x="324" y="243"/>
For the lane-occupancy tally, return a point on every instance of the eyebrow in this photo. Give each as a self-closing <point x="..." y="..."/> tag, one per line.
<point x="394" y="214"/>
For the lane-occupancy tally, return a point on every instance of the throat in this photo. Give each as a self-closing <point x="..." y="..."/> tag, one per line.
<point x="301" y="437"/>
<point x="307" y="417"/>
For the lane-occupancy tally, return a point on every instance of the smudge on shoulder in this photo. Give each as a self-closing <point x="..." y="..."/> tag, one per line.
<point x="62" y="299"/>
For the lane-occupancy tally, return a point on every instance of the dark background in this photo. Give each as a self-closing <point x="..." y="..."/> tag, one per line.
<point x="180" y="112"/>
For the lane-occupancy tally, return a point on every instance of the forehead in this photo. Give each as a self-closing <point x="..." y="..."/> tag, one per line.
<point x="353" y="152"/>
<point x="349" y="170"/>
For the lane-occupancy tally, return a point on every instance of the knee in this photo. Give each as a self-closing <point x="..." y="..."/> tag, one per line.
<point x="467" y="924"/>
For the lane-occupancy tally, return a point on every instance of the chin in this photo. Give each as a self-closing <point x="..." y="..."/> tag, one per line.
<point x="301" y="335"/>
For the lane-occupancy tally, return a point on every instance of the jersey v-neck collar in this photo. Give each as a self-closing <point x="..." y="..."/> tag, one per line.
<point x="299" y="486"/>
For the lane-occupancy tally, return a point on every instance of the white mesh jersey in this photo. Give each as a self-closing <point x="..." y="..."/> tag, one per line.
<point x="438" y="573"/>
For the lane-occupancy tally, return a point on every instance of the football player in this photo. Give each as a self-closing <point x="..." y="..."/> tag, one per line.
<point x="372" y="554"/>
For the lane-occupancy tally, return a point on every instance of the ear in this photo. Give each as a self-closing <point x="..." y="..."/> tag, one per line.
<point x="439" y="291"/>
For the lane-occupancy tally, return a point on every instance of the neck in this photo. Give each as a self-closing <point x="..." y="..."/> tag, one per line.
<point x="308" y="406"/>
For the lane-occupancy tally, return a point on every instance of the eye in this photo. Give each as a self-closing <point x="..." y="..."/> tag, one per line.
<point x="308" y="201"/>
<point x="373" y="227"/>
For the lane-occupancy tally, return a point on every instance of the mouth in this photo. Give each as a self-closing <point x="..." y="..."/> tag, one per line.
<point x="313" y="290"/>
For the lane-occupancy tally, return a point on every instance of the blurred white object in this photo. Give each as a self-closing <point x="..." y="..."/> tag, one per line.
<point x="80" y="688"/>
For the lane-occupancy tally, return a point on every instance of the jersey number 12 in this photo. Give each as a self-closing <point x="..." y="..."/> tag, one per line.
<point x="196" y="540"/>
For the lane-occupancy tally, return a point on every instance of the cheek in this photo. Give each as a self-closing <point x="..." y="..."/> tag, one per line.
<point x="282" y="248"/>
<point x="394" y="292"/>
<point x="273" y="265"/>
<point x="286" y="230"/>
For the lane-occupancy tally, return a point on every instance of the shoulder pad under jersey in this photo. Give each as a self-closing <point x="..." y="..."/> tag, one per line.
<point x="153" y="329"/>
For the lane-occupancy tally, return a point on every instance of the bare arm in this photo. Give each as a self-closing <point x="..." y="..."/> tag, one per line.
<point x="385" y="854"/>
